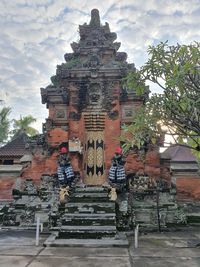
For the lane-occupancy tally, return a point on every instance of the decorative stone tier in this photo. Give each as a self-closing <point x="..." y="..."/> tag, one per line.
<point x="94" y="121"/>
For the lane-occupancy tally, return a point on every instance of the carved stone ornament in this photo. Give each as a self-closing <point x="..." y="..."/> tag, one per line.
<point x="68" y="56"/>
<point x="113" y="115"/>
<point x="60" y="114"/>
<point x="29" y="187"/>
<point x="93" y="62"/>
<point x="74" y="116"/>
<point x="95" y="19"/>
<point x="49" y="124"/>
<point x="121" y="56"/>
<point x="74" y="145"/>
<point x="95" y="94"/>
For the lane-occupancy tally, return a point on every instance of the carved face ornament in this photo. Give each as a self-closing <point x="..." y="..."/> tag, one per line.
<point x="94" y="93"/>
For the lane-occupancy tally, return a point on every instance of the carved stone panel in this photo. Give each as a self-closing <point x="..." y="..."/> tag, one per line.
<point x="127" y="112"/>
<point x="95" y="95"/>
<point x="60" y="112"/>
<point x="74" y="116"/>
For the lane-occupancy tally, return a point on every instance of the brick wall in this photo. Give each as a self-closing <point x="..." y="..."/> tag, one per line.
<point x="57" y="136"/>
<point x="48" y="164"/>
<point x="150" y="165"/>
<point x="188" y="187"/>
<point x="7" y="183"/>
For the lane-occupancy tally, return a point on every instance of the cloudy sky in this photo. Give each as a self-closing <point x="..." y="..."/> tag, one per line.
<point x="35" y="34"/>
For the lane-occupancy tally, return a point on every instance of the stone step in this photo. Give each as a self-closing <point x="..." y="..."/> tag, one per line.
<point x="94" y="243"/>
<point x="96" y="207"/>
<point x="85" y="232"/>
<point x="89" y="197"/>
<point x="193" y="217"/>
<point x="87" y="228"/>
<point x="89" y="215"/>
<point x="94" y="189"/>
<point x="89" y="219"/>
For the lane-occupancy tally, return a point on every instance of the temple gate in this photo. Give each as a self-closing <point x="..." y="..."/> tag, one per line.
<point x="87" y="101"/>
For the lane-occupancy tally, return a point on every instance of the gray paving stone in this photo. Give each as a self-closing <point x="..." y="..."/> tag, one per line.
<point x="166" y="262"/>
<point x="85" y="252"/>
<point x="14" y="252"/>
<point x="165" y="252"/>
<point x="14" y="261"/>
<point x="19" y="250"/>
<point x="80" y="262"/>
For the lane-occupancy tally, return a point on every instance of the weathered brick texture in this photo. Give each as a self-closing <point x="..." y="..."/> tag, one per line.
<point x="7" y="183"/>
<point x="188" y="188"/>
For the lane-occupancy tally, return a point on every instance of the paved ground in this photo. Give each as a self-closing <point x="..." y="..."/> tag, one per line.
<point x="180" y="249"/>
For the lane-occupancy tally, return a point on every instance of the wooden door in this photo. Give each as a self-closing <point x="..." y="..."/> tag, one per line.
<point x="94" y="158"/>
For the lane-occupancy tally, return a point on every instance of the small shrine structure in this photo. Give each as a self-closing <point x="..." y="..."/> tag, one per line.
<point x="184" y="171"/>
<point x="14" y="156"/>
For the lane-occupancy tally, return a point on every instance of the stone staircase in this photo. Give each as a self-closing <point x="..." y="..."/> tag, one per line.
<point x="89" y="219"/>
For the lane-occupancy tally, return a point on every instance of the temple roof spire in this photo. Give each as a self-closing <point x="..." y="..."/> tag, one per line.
<point x="95" y="19"/>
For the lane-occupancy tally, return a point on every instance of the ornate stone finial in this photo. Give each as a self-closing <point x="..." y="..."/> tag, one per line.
<point x="95" y="19"/>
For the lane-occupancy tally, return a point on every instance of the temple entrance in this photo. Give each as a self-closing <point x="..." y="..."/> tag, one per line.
<point x="94" y="158"/>
<point x="94" y="170"/>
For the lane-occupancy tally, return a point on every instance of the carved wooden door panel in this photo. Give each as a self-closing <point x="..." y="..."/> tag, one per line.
<point x="94" y="158"/>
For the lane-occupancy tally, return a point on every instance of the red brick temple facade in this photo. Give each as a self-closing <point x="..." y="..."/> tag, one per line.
<point x="88" y="104"/>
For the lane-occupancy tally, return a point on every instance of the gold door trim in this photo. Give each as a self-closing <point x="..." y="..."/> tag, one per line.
<point x="94" y="158"/>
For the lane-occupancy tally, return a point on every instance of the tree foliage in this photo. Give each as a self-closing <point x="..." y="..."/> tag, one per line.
<point x="23" y="125"/>
<point x="145" y="129"/>
<point x="176" y="70"/>
<point x="4" y="124"/>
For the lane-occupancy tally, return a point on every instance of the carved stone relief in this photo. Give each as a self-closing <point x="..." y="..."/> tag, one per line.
<point x="95" y="94"/>
<point x="114" y="114"/>
<point x="127" y="112"/>
<point x="60" y="114"/>
<point x="74" y="116"/>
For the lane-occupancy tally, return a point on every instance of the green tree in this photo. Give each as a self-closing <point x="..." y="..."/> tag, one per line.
<point x="4" y="124"/>
<point x="176" y="70"/>
<point x="23" y="125"/>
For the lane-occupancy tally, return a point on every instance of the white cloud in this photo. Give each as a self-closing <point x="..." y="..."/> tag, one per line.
<point x="35" y="34"/>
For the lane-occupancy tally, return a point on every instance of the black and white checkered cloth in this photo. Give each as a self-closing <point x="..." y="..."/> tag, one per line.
<point x="65" y="173"/>
<point x="69" y="172"/>
<point x="117" y="174"/>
